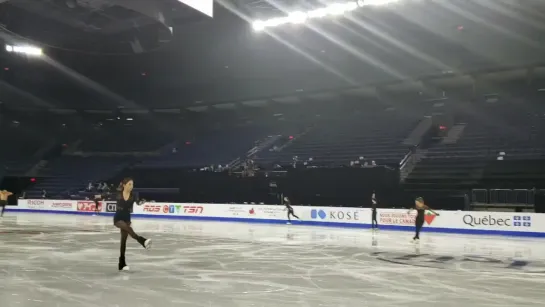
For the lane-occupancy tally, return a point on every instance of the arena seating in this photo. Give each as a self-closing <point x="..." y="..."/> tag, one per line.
<point x="376" y="135"/>
<point x="511" y="132"/>
<point x="218" y="148"/>
<point x="20" y="144"/>
<point x="71" y="173"/>
<point x="124" y="139"/>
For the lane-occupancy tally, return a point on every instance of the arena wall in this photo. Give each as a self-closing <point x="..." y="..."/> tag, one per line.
<point x="466" y="222"/>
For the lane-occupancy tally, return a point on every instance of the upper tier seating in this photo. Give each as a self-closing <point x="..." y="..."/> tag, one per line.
<point x="376" y="136"/>
<point x="124" y="139"/>
<point x="69" y="173"/>
<point x="518" y="133"/>
<point x="215" y="148"/>
<point x="508" y="129"/>
<point x="20" y="143"/>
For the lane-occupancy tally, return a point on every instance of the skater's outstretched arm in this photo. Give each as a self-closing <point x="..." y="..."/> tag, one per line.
<point x="431" y="210"/>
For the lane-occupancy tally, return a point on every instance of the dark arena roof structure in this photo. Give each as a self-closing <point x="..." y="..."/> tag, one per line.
<point x="109" y="54"/>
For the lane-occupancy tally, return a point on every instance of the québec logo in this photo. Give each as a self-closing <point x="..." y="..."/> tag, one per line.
<point x="522" y="221"/>
<point x="491" y="220"/>
<point x="318" y="214"/>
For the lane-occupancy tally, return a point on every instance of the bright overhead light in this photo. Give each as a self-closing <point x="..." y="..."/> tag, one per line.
<point x="258" y="25"/>
<point x="335" y="9"/>
<point x="319" y="13"/>
<point x="28" y="50"/>
<point x="297" y="17"/>
<point x="378" y="2"/>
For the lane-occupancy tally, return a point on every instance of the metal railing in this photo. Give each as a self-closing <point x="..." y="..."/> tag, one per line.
<point x="503" y="196"/>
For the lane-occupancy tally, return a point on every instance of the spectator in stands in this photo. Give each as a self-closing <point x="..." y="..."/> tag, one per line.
<point x="89" y="186"/>
<point x="44" y="194"/>
<point x="295" y="160"/>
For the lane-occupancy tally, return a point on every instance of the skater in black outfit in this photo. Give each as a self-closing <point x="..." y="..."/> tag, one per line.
<point x="122" y="219"/>
<point x="97" y="200"/>
<point x="287" y="203"/>
<point x="420" y="208"/>
<point x="374" y="223"/>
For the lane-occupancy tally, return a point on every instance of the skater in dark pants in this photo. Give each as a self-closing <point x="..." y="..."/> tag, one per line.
<point x="374" y="223"/>
<point x="287" y="203"/>
<point x="122" y="220"/>
<point x="420" y="208"/>
<point x="97" y="200"/>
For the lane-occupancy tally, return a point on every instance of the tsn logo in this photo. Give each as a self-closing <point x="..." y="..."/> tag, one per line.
<point x="193" y="209"/>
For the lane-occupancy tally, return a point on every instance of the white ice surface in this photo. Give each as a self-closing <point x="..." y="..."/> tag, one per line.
<point x="69" y="261"/>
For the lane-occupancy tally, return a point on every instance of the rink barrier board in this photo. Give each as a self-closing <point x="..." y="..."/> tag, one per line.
<point x="305" y="222"/>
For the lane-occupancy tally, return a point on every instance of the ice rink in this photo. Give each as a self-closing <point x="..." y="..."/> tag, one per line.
<point x="70" y="260"/>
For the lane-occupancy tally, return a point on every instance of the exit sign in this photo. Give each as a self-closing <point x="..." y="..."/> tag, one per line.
<point x="204" y="6"/>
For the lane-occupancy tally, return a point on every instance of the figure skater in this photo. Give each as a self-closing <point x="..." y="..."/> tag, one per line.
<point x="4" y="194"/>
<point x="97" y="199"/>
<point x="287" y="203"/>
<point x="374" y="223"/>
<point x="420" y="208"/>
<point x="122" y="219"/>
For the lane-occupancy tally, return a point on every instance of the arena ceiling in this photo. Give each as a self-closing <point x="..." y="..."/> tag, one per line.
<point x="107" y="54"/>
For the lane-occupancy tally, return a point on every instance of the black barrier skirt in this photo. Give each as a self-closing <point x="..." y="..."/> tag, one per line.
<point x="345" y="187"/>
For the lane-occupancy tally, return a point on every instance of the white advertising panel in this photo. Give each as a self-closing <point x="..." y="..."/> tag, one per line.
<point x="45" y="204"/>
<point x="335" y="214"/>
<point x="447" y="221"/>
<point x="212" y="210"/>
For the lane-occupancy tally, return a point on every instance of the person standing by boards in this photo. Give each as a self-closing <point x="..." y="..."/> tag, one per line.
<point x="4" y="194"/>
<point x="374" y="223"/>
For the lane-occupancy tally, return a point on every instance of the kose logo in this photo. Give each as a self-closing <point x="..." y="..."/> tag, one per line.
<point x="193" y="209"/>
<point x="524" y="221"/>
<point x="318" y="214"/>
<point x="335" y="215"/>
